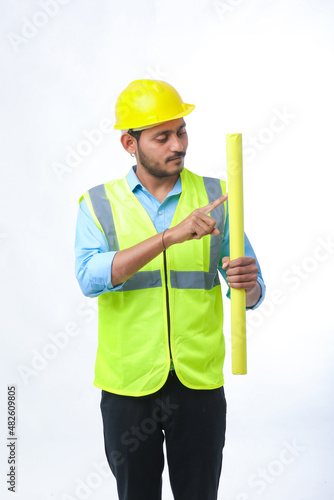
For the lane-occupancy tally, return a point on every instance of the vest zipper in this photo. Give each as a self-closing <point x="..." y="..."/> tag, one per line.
<point x="167" y="303"/>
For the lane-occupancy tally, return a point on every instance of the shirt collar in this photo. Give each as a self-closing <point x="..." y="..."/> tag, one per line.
<point x="135" y="182"/>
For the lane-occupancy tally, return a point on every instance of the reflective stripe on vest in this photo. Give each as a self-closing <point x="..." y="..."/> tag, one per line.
<point x="103" y="212"/>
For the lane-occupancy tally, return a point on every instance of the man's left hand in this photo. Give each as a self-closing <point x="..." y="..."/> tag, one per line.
<point x="241" y="272"/>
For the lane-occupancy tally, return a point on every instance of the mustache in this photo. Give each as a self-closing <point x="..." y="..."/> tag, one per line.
<point x="181" y="154"/>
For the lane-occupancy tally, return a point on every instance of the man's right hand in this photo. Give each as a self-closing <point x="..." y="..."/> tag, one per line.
<point x="195" y="226"/>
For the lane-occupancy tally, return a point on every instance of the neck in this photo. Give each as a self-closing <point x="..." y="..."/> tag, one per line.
<point x="159" y="187"/>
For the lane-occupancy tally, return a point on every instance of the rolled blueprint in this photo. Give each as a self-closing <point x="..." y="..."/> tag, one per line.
<point x="237" y="249"/>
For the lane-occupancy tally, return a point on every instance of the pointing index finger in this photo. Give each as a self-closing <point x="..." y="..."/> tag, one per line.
<point x="214" y="204"/>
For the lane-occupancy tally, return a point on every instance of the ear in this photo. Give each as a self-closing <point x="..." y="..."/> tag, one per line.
<point x="129" y="143"/>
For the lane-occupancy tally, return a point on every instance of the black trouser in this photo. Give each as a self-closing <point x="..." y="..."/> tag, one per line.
<point x="193" y="423"/>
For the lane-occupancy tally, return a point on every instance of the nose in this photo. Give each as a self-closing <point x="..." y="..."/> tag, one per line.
<point x="176" y="144"/>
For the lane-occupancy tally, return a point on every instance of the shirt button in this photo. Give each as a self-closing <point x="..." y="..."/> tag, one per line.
<point x="160" y="213"/>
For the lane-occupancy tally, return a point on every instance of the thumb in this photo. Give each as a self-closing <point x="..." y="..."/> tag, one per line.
<point x="226" y="261"/>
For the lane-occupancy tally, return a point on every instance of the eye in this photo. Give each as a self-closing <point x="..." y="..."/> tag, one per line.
<point x="162" y="139"/>
<point x="182" y="132"/>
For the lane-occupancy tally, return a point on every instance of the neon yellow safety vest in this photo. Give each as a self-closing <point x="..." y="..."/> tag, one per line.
<point x="172" y="307"/>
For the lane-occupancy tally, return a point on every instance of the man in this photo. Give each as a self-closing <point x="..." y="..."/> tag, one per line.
<point x="150" y="247"/>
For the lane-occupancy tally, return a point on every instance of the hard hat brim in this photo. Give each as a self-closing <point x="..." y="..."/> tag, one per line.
<point x="188" y="109"/>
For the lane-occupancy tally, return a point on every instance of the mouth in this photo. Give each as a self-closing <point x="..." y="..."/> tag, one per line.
<point x="176" y="159"/>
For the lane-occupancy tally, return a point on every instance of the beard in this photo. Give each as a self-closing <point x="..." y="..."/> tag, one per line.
<point x="156" y="169"/>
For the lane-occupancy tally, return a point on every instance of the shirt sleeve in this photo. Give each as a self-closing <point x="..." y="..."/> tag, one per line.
<point x="93" y="260"/>
<point x="249" y="252"/>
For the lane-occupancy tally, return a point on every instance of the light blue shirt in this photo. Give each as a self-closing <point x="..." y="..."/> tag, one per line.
<point x="93" y="260"/>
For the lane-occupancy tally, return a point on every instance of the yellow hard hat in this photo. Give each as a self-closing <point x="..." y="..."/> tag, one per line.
<point x="145" y="103"/>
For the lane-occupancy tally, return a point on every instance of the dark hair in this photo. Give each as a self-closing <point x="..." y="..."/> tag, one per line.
<point x="135" y="133"/>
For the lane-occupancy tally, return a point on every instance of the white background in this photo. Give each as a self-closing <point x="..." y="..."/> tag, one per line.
<point x="242" y="63"/>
